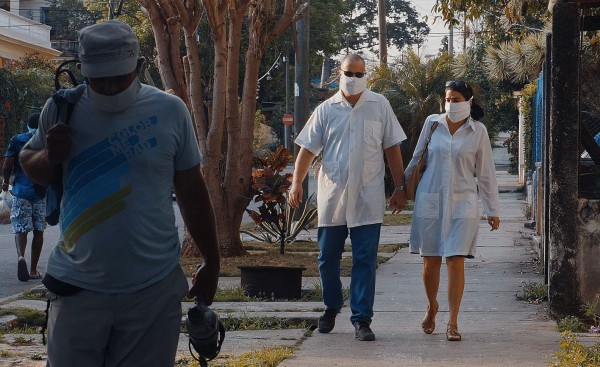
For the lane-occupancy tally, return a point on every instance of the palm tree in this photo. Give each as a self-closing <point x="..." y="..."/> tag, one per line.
<point x="519" y="62"/>
<point x="415" y="89"/>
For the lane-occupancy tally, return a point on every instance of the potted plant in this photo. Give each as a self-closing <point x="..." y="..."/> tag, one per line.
<point x="275" y="222"/>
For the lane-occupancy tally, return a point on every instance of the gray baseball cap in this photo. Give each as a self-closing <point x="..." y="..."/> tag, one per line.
<point x="108" y="49"/>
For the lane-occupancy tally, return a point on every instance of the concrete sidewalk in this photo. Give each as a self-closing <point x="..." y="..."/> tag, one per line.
<point x="497" y="329"/>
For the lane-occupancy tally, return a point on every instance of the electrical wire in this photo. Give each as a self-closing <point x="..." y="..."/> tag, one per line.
<point x="271" y="68"/>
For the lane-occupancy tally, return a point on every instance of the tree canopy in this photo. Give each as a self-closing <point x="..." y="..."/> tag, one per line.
<point x="67" y="17"/>
<point x="403" y="24"/>
<point x="25" y="86"/>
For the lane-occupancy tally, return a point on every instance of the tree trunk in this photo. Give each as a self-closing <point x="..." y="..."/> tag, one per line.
<point x="325" y="71"/>
<point x="227" y="163"/>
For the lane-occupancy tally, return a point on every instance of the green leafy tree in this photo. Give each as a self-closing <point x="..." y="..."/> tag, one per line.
<point x="25" y="86"/>
<point x="67" y="17"/>
<point x="513" y="10"/>
<point x="493" y="94"/>
<point x="403" y="24"/>
<point x="222" y="107"/>
<point x="519" y="62"/>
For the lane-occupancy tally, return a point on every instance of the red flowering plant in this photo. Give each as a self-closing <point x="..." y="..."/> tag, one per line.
<point x="274" y="217"/>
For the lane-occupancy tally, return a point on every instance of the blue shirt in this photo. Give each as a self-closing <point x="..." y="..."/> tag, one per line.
<point x="22" y="186"/>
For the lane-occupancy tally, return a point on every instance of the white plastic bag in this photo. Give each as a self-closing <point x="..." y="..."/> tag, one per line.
<point x="6" y="200"/>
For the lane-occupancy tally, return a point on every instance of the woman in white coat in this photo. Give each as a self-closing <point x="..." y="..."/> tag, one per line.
<point x="445" y="219"/>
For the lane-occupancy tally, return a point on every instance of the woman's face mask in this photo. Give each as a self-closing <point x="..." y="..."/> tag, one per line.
<point x="353" y="85"/>
<point x="117" y="102"/>
<point x="458" y="111"/>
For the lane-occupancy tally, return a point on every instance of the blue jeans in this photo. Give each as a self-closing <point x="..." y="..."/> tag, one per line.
<point x="365" y="240"/>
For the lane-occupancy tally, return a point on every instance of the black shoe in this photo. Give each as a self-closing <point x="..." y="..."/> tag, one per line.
<point x="327" y="320"/>
<point x="22" y="272"/>
<point x="362" y="331"/>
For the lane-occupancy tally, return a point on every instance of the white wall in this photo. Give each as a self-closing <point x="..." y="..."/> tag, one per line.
<point x="32" y="9"/>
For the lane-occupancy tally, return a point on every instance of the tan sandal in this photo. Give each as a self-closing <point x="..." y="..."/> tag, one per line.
<point x="428" y="324"/>
<point x="452" y="333"/>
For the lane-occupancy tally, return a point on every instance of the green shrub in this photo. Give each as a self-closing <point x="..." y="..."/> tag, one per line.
<point x="571" y="324"/>
<point x="574" y="354"/>
<point x="533" y="292"/>
<point x="26" y="318"/>
<point x="592" y="312"/>
<point x="275" y="218"/>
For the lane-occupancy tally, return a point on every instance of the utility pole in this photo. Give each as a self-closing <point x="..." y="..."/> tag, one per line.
<point x="451" y="40"/>
<point x="464" y="32"/>
<point x="301" y="85"/>
<point x="382" y="32"/>
<point x="347" y="44"/>
<point x="286" y="128"/>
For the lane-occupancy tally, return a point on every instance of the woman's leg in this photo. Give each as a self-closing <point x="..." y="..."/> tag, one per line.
<point x="456" y="287"/>
<point x="431" y="281"/>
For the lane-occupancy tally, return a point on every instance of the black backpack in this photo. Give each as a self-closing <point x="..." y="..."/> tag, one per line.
<point x="65" y="100"/>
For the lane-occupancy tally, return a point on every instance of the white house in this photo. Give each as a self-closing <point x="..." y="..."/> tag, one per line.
<point x="22" y="31"/>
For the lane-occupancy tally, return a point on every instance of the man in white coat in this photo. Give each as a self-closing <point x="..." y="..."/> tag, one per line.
<point x="353" y="129"/>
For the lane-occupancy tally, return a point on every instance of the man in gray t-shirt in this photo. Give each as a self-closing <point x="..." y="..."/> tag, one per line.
<point x="116" y="267"/>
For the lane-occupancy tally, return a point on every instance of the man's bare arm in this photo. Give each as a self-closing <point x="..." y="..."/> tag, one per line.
<point x="43" y="166"/>
<point x="199" y="217"/>
<point x="303" y="161"/>
<point x="38" y="168"/>
<point x="394" y="158"/>
<point x="7" y="169"/>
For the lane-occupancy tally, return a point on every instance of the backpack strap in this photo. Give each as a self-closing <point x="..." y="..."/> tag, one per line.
<point x="65" y="100"/>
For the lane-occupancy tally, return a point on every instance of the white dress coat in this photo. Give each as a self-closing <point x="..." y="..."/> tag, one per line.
<point x="350" y="183"/>
<point x="446" y="215"/>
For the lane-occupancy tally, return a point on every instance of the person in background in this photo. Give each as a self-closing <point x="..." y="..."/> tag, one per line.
<point x="445" y="220"/>
<point x="115" y="269"/>
<point x="354" y="129"/>
<point x="28" y="212"/>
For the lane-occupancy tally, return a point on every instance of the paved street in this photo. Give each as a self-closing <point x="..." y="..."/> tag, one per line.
<point x="9" y="284"/>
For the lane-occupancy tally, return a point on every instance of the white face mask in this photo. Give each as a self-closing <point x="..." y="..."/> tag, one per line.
<point x="353" y="85"/>
<point x="458" y="111"/>
<point x="118" y="102"/>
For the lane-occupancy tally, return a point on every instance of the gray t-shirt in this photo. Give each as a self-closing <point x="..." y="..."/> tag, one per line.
<point x="118" y="232"/>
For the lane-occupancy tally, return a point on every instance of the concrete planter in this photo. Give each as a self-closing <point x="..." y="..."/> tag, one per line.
<point x="281" y="282"/>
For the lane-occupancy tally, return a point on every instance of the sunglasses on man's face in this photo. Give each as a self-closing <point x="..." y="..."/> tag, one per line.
<point x="351" y="74"/>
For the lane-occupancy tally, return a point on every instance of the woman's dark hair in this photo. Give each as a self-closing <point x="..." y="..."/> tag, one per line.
<point x="32" y="120"/>
<point x="466" y="91"/>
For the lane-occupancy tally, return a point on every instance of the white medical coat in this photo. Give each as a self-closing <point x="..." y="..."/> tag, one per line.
<point x="350" y="182"/>
<point x="446" y="215"/>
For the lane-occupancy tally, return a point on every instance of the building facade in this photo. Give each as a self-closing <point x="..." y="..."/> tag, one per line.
<point x="22" y="31"/>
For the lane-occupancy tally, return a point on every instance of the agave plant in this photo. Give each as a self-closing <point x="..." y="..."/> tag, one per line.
<point x="274" y="217"/>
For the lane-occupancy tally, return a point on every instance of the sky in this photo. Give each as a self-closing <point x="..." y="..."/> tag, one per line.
<point x="433" y="42"/>
<point x="437" y="31"/>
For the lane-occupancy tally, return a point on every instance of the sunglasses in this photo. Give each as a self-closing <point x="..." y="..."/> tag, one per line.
<point x="458" y="84"/>
<point x="351" y="74"/>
